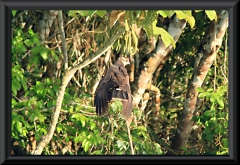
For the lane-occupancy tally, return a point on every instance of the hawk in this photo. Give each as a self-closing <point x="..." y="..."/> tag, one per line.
<point x="114" y="85"/>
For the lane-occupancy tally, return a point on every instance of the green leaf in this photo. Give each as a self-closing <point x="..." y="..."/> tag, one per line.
<point x="14" y="12"/>
<point x="116" y="105"/>
<point x="164" y="13"/>
<point x="225" y="142"/>
<point x="97" y="152"/>
<point x="44" y="54"/>
<point x="180" y="14"/>
<point x="221" y="103"/>
<point x="16" y="84"/>
<point x="35" y="50"/>
<point x="83" y="122"/>
<point x="190" y="20"/>
<point x="207" y="113"/>
<point x="19" y="127"/>
<point x="43" y="131"/>
<point x="76" y="116"/>
<point x="30" y="31"/>
<point x="92" y="125"/>
<point x="209" y="136"/>
<point x="211" y="14"/>
<point x="24" y="132"/>
<point x="28" y="42"/>
<point x="188" y="12"/>
<point x="217" y="129"/>
<point x="87" y="146"/>
<point x="86" y="12"/>
<point x="214" y="97"/>
<point x="197" y="11"/>
<point x="14" y="90"/>
<point x="59" y="128"/>
<point x="77" y="139"/>
<point x="199" y="89"/>
<point x="32" y="117"/>
<point x="71" y="109"/>
<point x="24" y="84"/>
<point x="166" y="37"/>
<point x="101" y="13"/>
<point x="84" y="142"/>
<point x="209" y="90"/>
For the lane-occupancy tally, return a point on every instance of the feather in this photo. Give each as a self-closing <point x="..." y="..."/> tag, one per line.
<point x="114" y="85"/>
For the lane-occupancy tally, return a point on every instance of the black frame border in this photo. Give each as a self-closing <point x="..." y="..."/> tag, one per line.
<point x="5" y="74"/>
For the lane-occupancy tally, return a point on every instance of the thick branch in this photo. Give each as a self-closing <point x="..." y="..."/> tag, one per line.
<point x="175" y="30"/>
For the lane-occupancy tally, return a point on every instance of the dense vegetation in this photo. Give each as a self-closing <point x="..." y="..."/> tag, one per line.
<point x="47" y="44"/>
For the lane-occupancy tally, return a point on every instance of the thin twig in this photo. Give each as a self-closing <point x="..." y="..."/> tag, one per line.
<point x="17" y="98"/>
<point x="130" y="138"/>
<point x="224" y="74"/>
<point x="225" y="55"/>
<point x="215" y="75"/>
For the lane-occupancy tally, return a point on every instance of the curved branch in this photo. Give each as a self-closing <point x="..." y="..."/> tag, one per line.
<point x="175" y="30"/>
<point x="67" y="77"/>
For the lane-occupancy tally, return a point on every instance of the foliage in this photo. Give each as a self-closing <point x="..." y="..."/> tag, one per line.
<point x="34" y="90"/>
<point x="215" y="120"/>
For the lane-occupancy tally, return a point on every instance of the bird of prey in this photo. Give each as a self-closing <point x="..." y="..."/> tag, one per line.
<point x="114" y="85"/>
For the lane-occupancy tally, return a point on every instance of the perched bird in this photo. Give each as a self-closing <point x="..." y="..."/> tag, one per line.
<point x="114" y="85"/>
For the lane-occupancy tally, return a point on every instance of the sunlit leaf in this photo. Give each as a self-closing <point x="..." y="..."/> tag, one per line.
<point x="207" y="113"/>
<point x="101" y="13"/>
<point x="19" y="127"/>
<point x="165" y="36"/>
<point x="221" y="103"/>
<point x="180" y="14"/>
<point x="44" y="54"/>
<point x="28" y="42"/>
<point x="191" y="20"/>
<point x="14" y="12"/>
<point x="211" y="14"/>
<point x="164" y="13"/>
<point x="199" y="89"/>
<point x="188" y="12"/>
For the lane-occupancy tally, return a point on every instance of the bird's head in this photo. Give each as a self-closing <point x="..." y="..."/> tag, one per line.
<point x="124" y="60"/>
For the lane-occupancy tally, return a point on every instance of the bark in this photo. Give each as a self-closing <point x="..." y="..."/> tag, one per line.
<point x="64" y="46"/>
<point x="45" y="23"/>
<point x="206" y="56"/>
<point x="139" y="85"/>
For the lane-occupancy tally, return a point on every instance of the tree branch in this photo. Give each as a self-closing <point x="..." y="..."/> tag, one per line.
<point x="67" y="77"/>
<point x="139" y="86"/>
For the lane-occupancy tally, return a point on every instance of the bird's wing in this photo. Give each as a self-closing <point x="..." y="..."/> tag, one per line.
<point x="115" y="84"/>
<point x="123" y="92"/>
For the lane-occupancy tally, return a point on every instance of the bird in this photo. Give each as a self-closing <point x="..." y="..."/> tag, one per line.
<point x="114" y="85"/>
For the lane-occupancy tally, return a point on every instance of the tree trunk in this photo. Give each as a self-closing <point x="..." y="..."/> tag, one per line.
<point x="206" y="56"/>
<point x="139" y="85"/>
